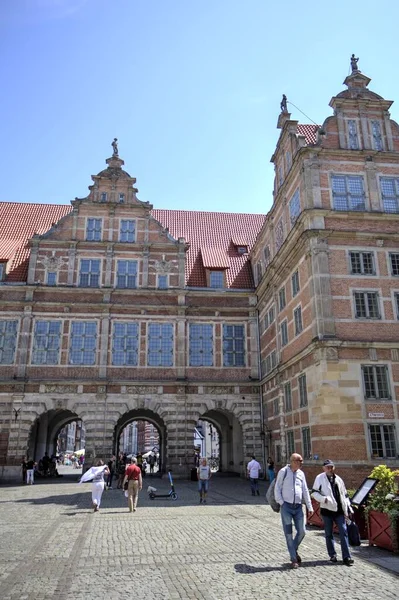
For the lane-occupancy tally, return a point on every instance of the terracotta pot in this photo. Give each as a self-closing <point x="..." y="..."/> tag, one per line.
<point x="381" y="531"/>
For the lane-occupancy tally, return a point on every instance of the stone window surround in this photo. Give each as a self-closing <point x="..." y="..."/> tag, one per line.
<point x="296" y="332"/>
<point x="381" y="176"/>
<point x="306" y="442"/>
<point x="389" y="263"/>
<point x="245" y="346"/>
<point x="389" y="381"/>
<point x="134" y="220"/>
<point x="380" y="299"/>
<point x="357" y="124"/>
<point x="79" y="273"/>
<point x="295" y="283"/>
<point x="285" y="324"/>
<point x="96" y="349"/>
<point x="366" y="194"/>
<point x="369" y="442"/>
<point x="87" y="219"/>
<point x="116" y="273"/>
<point x="33" y="338"/>
<point x="18" y="330"/>
<point x="188" y="359"/>
<point x="361" y="252"/>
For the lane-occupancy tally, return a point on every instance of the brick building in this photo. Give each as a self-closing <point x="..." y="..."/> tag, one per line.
<point x="281" y="330"/>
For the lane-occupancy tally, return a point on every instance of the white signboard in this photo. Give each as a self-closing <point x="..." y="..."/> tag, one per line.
<point x="376" y="415"/>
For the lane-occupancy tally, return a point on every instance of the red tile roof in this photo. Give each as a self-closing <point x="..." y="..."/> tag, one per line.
<point x="214" y="258"/>
<point x="309" y="131"/>
<point x="19" y="221"/>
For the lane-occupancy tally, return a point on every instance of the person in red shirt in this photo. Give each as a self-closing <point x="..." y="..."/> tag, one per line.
<point x="135" y="484"/>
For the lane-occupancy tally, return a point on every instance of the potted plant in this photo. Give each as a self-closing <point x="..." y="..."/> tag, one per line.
<point x="382" y="510"/>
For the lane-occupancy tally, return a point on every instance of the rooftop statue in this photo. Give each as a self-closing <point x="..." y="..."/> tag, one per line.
<point x="115" y="147"/>
<point x="354" y="63"/>
<point x="283" y="104"/>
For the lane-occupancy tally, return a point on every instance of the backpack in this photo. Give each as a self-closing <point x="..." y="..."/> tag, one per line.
<point x="270" y="494"/>
<point x="353" y="534"/>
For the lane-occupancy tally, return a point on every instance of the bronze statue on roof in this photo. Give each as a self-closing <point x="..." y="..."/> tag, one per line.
<point x="283" y="104"/>
<point x="115" y="147"/>
<point x="354" y="63"/>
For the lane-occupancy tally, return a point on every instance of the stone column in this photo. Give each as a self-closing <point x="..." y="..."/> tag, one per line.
<point x="372" y="184"/>
<point x="146" y="254"/>
<point x="181" y="345"/>
<point x="71" y="264"/>
<point x="108" y="265"/>
<point x="104" y="341"/>
<point x="311" y="176"/>
<point x="319" y="275"/>
<point x="24" y="338"/>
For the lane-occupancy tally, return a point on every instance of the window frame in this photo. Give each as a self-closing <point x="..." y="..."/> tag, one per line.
<point x="202" y="349"/>
<point x="287" y="396"/>
<point x="164" y="349"/>
<point x="379" y="136"/>
<point x="284" y="339"/>
<point x="361" y="256"/>
<point x="303" y="391"/>
<point x="295" y="283"/>
<point x="381" y="426"/>
<point x="9" y="340"/>
<point x="353" y="136"/>
<point x="282" y="299"/>
<point x="127" y="232"/>
<point x="127" y="276"/>
<point x="385" y="197"/>
<point x="90" y="274"/>
<point x="348" y="194"/>
<point x="93" y="351"/>
<point x="367" y="301"/>
<point x="387" y="383"/>
<point x="294" y="207"/>
<point x="91" y="233"/>
<point x="124" y="352"/>
<point x="306" y="442"/>
<point x="290" y="442"/>
<point x="48" y="335"/>
<point x="391" y="266"/>
<point x="220" y="273"/>
<point x="235" y="353"/>
<point x="298" y="324"/>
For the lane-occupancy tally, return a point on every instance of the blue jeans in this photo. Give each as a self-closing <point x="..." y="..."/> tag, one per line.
<point x="343" y="535"/>
<point x="289" y="513"/>
<point x="254" y="485"/>
<point x="271" y="474"/>
<point x="203" y="486"/>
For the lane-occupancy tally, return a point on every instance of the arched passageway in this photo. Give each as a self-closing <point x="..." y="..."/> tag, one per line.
<point x="45" y="430"/>
<point x="149" y="441"/>
<point x="230" y="442"/>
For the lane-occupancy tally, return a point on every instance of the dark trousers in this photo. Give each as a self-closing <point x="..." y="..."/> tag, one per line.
<point x="343" y="535"/>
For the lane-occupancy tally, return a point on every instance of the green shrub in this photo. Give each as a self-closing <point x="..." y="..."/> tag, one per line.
<point x="386" y="485"/>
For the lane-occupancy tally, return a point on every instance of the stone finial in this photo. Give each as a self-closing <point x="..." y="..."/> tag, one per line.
<point x="354" y="62"/>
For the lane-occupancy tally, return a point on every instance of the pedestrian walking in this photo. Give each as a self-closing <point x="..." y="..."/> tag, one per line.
<point x="290" y="490"/>
<point x="134" y="481"/>
<point x="30" y="471"/>
<point x="270" y="469"/>
<point x="253" y="470"/>
<point x="204" y="474"/>
<point x="96" y="476"/>
<point x="330" y="491"/>
<point x="111" y="468"/>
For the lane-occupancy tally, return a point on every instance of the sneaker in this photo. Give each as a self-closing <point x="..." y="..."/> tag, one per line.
<point x="333" y="559"/>
<point x="294" y="564"/>
<point x="134" y="510"/>
<point x="348" y="562"/>
<point x="298" y="559"/>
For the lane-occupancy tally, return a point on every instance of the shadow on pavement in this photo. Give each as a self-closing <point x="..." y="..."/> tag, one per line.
<point x="249" y="569"/>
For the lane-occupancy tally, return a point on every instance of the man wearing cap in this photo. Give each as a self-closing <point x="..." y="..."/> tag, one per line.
<point x="291" y="488"/>
<point x="330" y="491"/>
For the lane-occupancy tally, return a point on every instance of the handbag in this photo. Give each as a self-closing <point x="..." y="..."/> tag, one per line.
<point x="353" y="534"/>
<point x="125" y="485"/>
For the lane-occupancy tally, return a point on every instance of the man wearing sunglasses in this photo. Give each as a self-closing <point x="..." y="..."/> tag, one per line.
<point x="290" y="491"/>
<point x="330" y="491"/>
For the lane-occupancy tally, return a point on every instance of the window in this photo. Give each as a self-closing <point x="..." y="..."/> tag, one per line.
<point x="281" y="299"/>
<point x="288" y="160"/>
<point x="103" y="197"/>
<point x="83" y="344"/>
<point x="390" y="194"/>
<point x="242" y="250"/>
<point x="121" y="198"/>
<point x="276" y="406"/>
<point x="233" y="346"/>
<point x="280" y="176"/>
<point x="287" y="397"/>
<point x="279" y="234"/>
<point x="295" y="283"/>
<point x="362" y="263"/>
<point x="394" y="259"/>
<point x="266" y="254"/>
<point x="201" y="345"/>
<point x="290" y="443"/>
<point x="125" y="343"/>
<point x="303" y="392"/>
<point x="294" y="207"/>
<point x="348" y="192"/>
<point x="8" y="340"/>
<point x="298" y="320"/>
<point x="2" y="270"/>
<point x="382" y="441"/>
<point x="160" y="345"/>
<point x="126" y="276"/>
<point x="162" y="282"/>
<point x="366" y="305"/>
<point x="306" y="443"/>
<point x="51" y="278"/>
<point x="89" y="273"/>
<point x="353" y="137"/>
<point x="376" y="384"/>
<point x="46" y="343"/>
<point x="258" y="272"/>
<point x="397" y="304"/>
<point x="93" y="230"/>
<point x="377" y="137"/>
<point x="216" y="279"/>
<point x="271" y="315"/>
<point x="284" y="333"/>
<point x="273" y="359"/>
<point x="278" y="453"/>
<point x="127" y="231"/>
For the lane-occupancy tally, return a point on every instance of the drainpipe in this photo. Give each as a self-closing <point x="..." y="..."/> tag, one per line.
<point x="262" y="432"/>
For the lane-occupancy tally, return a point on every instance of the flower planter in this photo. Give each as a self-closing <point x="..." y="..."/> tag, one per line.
<point x="382" y="532"/>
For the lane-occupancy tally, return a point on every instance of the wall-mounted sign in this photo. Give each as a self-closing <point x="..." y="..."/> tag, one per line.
<point x="376" y="415"/>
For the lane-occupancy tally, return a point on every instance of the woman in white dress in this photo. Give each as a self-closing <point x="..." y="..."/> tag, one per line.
<point x="96" y="476"/>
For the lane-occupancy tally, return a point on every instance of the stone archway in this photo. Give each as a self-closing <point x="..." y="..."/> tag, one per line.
<point x="143" y="414"/>
<point x="45" y="429"/>
<point x="231" y="439"/>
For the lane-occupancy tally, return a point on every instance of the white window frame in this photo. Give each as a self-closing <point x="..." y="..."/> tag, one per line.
<point x="93" y="231"/>
<point x="126" y="275"/>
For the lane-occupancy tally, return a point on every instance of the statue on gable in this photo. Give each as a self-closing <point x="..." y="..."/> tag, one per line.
<point x="283" y="104"/>
<point x="115" y="147"/>
<point x="354" y="62"/>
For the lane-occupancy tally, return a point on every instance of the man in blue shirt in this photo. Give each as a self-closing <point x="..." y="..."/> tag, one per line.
<point x="291" y="489"/>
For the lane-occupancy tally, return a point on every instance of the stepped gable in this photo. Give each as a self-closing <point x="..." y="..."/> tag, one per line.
<point x="216" y="233"/>
<point x="18" y="223"/>
<point x="211" y="231"/>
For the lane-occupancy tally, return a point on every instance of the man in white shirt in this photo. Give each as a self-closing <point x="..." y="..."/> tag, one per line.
<point x="253" y="469"/>
<point x="291" y="489"/>
<point x="204" y="474"/>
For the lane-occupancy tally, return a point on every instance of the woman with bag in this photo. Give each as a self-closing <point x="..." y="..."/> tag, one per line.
<point x="330" y="491"/>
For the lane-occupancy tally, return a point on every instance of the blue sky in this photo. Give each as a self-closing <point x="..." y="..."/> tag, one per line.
<point x="190" y="88"/>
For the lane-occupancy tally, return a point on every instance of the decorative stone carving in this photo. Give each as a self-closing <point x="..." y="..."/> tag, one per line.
<point x="217" y="391"/>
<point x="163" y="266"/>
<point x="141" y="389"/>
<point x="60" y="389"/>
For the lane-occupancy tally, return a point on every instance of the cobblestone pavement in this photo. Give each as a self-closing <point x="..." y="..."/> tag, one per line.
<point x="52" y="546"/>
